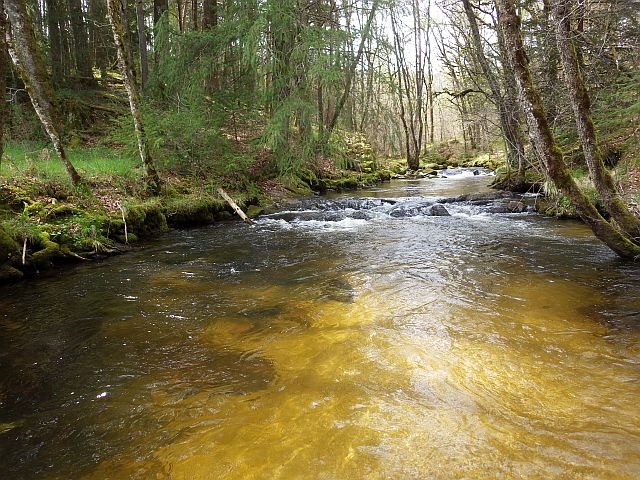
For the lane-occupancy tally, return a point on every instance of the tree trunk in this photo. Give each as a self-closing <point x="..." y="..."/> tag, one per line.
<point x="544" y="143"/>
<point x="581" y="104"/>
<point x="194" y="15"/>
<point x="159" y="9"/>
<point x="55" y="44"/>
<point x="403" y="91"/>
<point x="429" y="74"/>
<point x="142" y="43"/>
<point x="550" y="68"/>
<point x="99" y="35"/>
<point x="4" y="70"/>
<point x="514" y="150"/>
<point x="181" y="7"/>
<point x="420" y="81"/>
<point x="209" y="14"/>
<point x="514" y="137"/>
<point x="115" y="9"/>
<point x="24" y="54"/>
<point x="81" y="47"/>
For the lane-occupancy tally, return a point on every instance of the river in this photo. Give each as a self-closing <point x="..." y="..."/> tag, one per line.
<point x="333" y="341"/>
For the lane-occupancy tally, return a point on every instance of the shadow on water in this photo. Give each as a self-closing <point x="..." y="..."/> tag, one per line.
<point x="327" y="343"/>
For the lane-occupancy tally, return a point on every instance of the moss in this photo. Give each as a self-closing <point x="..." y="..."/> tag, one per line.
<point x="8" y="247"/>
<point x="14" y="196"/>
<point x="53" y="211"/>
<point x="9" y="274"/>
<point x="48" y="250"/>
<point x="192" y="210"/>
<point x="254" y="211"/>
<point x="147" y="218"/>
<point x="345" y="183"/>
<point x="35" y="209"/>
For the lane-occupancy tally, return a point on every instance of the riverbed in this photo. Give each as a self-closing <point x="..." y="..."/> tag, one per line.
<point x="335" y="340"/>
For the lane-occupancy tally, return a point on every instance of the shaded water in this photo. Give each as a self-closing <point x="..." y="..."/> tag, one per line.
<point x="368" y="346"/>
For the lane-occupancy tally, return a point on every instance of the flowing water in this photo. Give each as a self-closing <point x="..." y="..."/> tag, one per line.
<point x="339" y="340"/>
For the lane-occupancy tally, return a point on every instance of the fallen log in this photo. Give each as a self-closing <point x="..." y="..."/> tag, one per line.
<point x="235" y="207"/>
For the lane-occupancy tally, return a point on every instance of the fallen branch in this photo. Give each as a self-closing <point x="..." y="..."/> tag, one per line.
<point x="124" y="220"/>
<point x="235" y="207"/>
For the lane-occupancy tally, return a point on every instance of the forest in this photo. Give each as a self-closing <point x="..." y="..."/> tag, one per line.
<point x="260" y="97"/>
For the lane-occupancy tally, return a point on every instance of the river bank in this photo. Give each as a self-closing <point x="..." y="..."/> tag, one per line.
<point x="47" y="223"/>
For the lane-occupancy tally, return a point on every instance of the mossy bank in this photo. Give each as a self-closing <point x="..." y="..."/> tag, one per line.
<point x="40" y="230"/>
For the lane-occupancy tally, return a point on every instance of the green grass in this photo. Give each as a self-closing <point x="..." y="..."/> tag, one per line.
<point x="40" y="161"/>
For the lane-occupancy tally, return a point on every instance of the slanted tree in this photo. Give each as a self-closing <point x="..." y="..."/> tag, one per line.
<point x="24" y="54"/>
<point x="349" y="76"/>
<point x="581" y="105"/>
<point x="116" y="14"/>
<point x="544" y="143"/>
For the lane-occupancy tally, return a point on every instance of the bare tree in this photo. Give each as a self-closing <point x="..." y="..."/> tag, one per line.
<point x="508" y="121"/>
<point x="115" y="9"/>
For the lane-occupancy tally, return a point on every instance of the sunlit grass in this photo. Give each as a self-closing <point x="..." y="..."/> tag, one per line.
<point x="40" y="161"/>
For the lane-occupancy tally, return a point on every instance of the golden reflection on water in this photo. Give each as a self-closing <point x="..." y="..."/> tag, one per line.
<point x="523" y="383"/>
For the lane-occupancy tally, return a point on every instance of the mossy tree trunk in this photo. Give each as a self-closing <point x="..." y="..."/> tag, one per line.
<point x="543" y="141"/>
<point x="4" y="70"/>
<point x="22" y="48"/>
<point x="209" y="14"/>
<point x="115" y="9"/>
<point x="508" y="118"/>
<point x="581" y="105"/>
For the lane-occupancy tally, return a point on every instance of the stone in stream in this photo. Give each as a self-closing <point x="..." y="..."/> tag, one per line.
<point x="512" y="206"/>
<point x="481" y="198"/>
<point x="439" y="211"/>
<point x="411" y="210"/>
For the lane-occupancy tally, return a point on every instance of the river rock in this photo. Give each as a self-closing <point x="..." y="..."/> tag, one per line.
<point x="480" y="198"/>
<point x="512" y="206"/>
<point x="411" y="210"/>
<point x="439" y="211"/>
